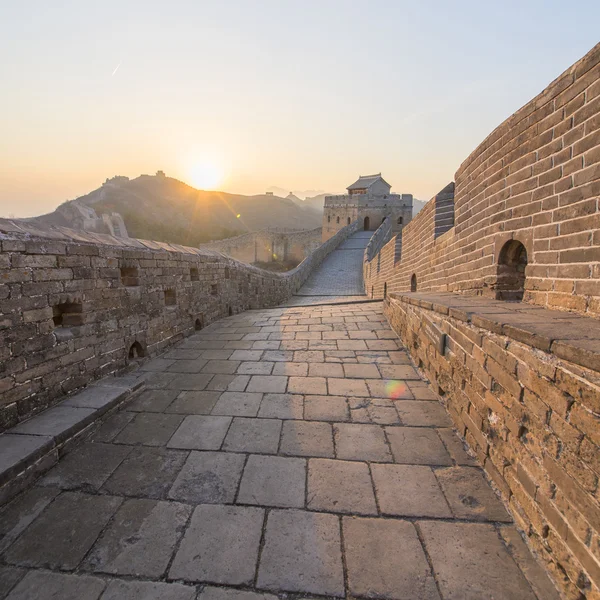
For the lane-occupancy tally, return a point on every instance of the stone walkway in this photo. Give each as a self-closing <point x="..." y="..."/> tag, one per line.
<point x="340" y="274"/>
<point x="278" y="451"/>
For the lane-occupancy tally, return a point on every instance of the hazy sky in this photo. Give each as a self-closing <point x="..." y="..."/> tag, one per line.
<point x="299" y="94"/>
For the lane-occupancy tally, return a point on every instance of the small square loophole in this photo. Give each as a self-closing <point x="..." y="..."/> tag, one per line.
<point x="170" y="297"/>
<point x="67" y="314"/>
<point x="130" y="276"/>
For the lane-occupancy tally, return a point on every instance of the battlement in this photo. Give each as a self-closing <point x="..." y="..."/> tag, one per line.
<point x="77" y="306"/>
<point x="364" y="200"/>
<point x="496" y="295"/>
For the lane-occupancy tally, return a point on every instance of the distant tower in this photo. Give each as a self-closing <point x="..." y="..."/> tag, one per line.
<point x="370" y="200"/>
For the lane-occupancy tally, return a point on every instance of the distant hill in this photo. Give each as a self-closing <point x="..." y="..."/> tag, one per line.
<point x="315" y="203"/>
<point x="161" y="208"/>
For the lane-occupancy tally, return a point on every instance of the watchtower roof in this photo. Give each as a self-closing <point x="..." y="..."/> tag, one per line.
<point x="364" y="182"/>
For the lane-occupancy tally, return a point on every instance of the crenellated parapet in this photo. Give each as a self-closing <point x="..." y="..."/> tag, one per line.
<point x="494" y="289"/>
<point x="77" y="306"/>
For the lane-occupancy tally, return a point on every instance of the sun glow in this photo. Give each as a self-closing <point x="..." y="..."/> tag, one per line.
<point x="206" y="175"/>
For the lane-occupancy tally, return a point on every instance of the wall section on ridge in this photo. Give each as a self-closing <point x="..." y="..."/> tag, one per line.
<point x="269" y="245"/>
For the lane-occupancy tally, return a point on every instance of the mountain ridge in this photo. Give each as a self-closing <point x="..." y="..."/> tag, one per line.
<point x="165" y="209"/>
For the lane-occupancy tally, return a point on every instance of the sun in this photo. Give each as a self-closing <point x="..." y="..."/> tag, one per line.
<point x="206" y="175"/>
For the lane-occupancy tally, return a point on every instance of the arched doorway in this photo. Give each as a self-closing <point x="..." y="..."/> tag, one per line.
<point x="512" y="262"/>
<point x="366" y="224"/>
<point x="413" y="283"/>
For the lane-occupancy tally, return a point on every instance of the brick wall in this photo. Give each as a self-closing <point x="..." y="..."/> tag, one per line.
<point x="77" y="306"/>
<point x="534" y="179"/>
<point x="532" y="420"/>
<point x="269" y="245"/>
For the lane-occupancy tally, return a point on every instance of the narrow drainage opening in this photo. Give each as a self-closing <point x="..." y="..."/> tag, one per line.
<point x="413" y="283"/>
<point x="136" y="350"/>
<point x="199" y="323"/>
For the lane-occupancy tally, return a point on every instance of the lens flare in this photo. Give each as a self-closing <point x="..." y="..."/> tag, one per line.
<point x="206" y="175"/>
<point x="396" y="389"/>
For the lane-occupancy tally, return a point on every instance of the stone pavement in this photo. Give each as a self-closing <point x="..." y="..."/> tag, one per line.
<point x="341" y="273"/>
<point x="292" y="450"/>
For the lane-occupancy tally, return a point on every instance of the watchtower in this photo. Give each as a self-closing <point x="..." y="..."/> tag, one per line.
<point x="370" y="200"/>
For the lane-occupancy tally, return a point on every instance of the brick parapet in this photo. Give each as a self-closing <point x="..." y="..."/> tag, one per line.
<point x="268" y="245"/>
<point x="530" y="416"/>
<point x="70" y="315"/>
<point x="534" y="179"/>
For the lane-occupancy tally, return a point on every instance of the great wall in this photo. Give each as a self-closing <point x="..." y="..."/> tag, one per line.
<point x="269" y="245"/>
<point x="181" y="355"/>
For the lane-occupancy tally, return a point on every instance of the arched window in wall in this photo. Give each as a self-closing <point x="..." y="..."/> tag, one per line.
<point x="348" y="220"/>
<point x="400" y="220"/>
<point x="512" y="263"/>
<point x="338" y="220"/>
<point x="413" y="283"/>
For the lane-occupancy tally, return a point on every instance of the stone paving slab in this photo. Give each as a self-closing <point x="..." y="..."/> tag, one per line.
<point x="145" y="590"/>
<point x="314" y="462"/>
<point x="140" y="539"/>
<point x="219" y="593"/>
<point x="209" y="478"/>
<point x="302" y="553"/>
<point x="281" y="406"/>
<point x="307" y="438"/>
<point x="149" y="429"/>
<point x="470" y="496"/>
<point x="253" y="435"/>
<point x="355" y="441"/>
<point x="9" y="577"/>
<point x="153" y="401"/>
<point x="200" y="433"/>
<point x="470" y="562"/>
<point x="147" y="472"/>
<point x="86" y="469"/>
<point x="273" y="481"/>
<point x="17" y="516"/>
<point x="372" y="547"/>
<point x="44" y="585"/>
<point x="400" y="491"/>
<point x="417" y="446"/>
<point x="340" y="486"/>
<point x="220" y="545"/>
<point x="63" y="534"/>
